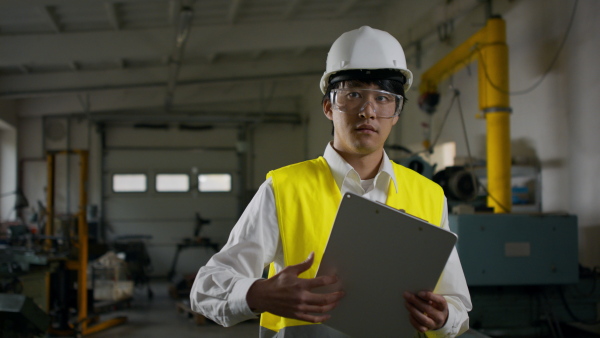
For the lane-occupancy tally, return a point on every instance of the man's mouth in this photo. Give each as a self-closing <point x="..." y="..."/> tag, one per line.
<point x="366" y="128"/>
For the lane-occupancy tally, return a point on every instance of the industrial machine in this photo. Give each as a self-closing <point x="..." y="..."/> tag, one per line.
<point x="44" y="273"/>
<point x="522" y="269"/>
<point x="73" y="266"/>
<point x="21" y="317"/>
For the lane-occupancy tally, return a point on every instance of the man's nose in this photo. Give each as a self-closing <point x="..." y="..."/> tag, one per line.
<point x="368" y="110"/>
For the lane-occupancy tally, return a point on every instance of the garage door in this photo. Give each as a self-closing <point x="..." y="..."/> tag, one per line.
<point x="156" y="181"/>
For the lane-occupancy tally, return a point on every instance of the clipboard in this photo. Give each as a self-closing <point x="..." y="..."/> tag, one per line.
<point x="378" y="253"/>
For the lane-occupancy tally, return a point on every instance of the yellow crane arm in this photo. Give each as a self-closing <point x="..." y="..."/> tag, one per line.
<point x="488" y="47"/>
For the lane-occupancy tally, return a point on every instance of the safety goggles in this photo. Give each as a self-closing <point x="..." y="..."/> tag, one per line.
<point x="355" y="100"/>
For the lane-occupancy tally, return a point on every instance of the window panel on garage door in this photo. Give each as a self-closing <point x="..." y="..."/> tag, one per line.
<point x="170" y="217"/>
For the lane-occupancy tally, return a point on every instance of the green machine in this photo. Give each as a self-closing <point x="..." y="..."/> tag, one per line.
<point x="515" y="249"/>
<point x="523" y="273"/>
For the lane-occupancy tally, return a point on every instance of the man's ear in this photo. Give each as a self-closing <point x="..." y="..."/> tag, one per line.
<point x="327" y="109"/>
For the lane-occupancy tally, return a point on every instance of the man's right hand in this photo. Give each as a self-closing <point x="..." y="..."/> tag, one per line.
<point x="288" y="296"/>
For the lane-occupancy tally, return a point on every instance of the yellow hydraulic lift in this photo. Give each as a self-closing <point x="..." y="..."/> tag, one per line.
<point x="80" y="265"/>
<point x="488" y="47"/>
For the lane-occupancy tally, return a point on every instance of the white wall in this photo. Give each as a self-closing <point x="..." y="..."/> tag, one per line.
<point x="580" y="82"/>
<point x="8" y="171"/>
<point x="557" y="122"/>
<point x="8" y="159"/>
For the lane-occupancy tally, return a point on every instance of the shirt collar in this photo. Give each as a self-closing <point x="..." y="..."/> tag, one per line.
<point x="340" y="169"/>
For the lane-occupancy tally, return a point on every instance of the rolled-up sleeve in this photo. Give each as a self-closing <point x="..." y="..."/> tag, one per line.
<point x="220" y="288"/>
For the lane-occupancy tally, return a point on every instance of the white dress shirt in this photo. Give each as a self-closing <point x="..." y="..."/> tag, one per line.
<point x="219" y="291"/>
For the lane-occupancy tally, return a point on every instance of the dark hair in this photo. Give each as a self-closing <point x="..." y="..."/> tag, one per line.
<point x="391" y="86"/>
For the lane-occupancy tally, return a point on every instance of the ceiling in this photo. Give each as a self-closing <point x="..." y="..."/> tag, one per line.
<point x="128" y="55"/>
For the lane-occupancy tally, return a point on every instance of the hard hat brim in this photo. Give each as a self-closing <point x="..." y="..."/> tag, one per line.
<point x="401" y="75"/>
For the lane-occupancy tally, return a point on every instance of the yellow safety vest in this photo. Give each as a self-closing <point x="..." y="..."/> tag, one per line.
<point x="307" y="199"/>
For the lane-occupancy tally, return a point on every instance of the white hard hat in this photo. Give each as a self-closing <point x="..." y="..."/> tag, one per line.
<point x="367" y="49"/>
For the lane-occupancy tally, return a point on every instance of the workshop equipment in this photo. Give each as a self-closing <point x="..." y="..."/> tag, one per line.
<point x="82" y="323"/>
<point x="513" y="249"/>
<point x="459" y="183"/>
<point x="137" y="258"/>
<point x="418" y="164"/>
<point x="21" y="317"/>
<point x="110" y="281"/>
<point x="522" y="269"/>
<point x="195" y="242"/>
<point x="488" y="47"/>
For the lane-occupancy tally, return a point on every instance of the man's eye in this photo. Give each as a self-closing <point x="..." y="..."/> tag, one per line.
<point x="384" y="98"/>
<point x="353" y="95"/>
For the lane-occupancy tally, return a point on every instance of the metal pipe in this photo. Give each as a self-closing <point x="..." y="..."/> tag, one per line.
<point x="493" y="91"/>
<point x="488" y="46"/>
<point x="196" y="116"/>
<point x="102" y="170"/>
<point x="83" y="240"/>
<point x="161" y="84"/>
<point x="452" y="11"/>
<point x="153" y="148"/>
<point x="68" y="169"/>
<point x="49" y="229"/>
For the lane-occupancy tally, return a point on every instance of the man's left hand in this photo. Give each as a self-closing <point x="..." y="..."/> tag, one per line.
<point x="427" y="311"/>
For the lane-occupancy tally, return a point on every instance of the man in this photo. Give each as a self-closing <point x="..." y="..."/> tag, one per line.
<point x="288" y="221"/>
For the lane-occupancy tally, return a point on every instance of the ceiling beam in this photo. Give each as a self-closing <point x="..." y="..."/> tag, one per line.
<point x="24" y="69"/>
<point x="247" y="68"/>
<point x="149" y="103"/>
<point x="6" y="4"/>
<point x="257" y="54"/>
<point x="184" y="24"/>
<point x="212" y="57"/>
<point x="48" y="13"/>
<point x="154" y="43"/>
<point x="346" y="7"/>
<point x="300" y="51"/>
<point x="7" y="94"/>
<point x="113" y="15"/>
<point x="234" y="11"/>
<point x="159" y="115"/>
<point x="291" y="9"/>
<point x="173" y="12"/>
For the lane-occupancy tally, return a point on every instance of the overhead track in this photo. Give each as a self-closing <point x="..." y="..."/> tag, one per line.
<point x="149" y="116"/>
<point x="184" y="25"/>
<point x="79" y="90"/>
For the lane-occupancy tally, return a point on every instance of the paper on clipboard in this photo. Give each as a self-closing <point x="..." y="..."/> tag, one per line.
<point x="379" y="253"/>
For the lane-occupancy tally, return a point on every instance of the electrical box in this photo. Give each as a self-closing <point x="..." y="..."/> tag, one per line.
<point x="514" y="249"/>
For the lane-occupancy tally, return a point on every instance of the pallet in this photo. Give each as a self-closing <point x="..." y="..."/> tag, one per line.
<point x="185" y="310"/>
<point x="104" y="306"/>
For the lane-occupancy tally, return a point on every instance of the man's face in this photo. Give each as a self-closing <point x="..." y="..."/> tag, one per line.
<point x="356" y="132"/>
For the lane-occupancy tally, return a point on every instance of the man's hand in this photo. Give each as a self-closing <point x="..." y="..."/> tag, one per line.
<point x="427" y="311"/>
<point x="288" y="296"/>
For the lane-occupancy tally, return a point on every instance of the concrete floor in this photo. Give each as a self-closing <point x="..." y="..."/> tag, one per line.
<point x="158" y="318"/>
